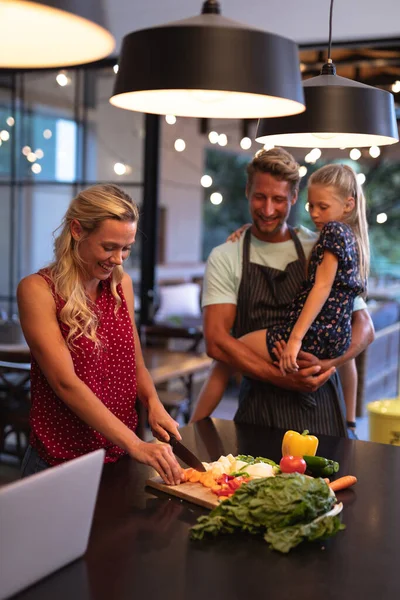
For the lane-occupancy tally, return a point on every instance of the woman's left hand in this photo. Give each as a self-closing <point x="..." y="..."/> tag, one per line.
<point x="161" y="423"/>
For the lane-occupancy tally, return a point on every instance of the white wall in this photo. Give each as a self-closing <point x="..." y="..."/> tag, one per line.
<point x="180" y="191"/>
<point x="48" y="206"/>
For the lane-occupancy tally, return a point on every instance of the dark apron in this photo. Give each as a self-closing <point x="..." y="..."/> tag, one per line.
<point x="263" y="299"/>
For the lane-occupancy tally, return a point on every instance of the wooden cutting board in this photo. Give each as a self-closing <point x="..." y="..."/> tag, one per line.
<point x="192" y="492"/>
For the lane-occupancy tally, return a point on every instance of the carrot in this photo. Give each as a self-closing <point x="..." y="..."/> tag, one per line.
<point x="342" y="483"/>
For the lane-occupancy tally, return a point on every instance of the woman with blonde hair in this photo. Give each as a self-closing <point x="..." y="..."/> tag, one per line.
<point x="318" y="320"/>
<point x="77" y="316"/>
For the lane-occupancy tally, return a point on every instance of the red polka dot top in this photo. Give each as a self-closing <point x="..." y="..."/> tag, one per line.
<point x="57" y="434"/>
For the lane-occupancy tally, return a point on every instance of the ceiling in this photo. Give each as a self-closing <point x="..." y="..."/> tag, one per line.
<point x="301" y="20"/>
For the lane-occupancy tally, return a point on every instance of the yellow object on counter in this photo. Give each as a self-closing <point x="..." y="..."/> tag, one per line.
<point x="384" y="421"/>
<point x="299" y="444"/>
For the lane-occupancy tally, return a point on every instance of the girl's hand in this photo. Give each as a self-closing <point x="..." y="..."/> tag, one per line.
<point x="288" y="362"/>
<point x="161" y="423"/>
<point x="235" y="236"/>
<point x="161" y="458"/>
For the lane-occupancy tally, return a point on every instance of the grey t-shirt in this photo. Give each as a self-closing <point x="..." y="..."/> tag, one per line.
<point x="224" y="265"/>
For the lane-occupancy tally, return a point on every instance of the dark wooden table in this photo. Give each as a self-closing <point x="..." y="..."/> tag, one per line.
<point x="140" y="549"/>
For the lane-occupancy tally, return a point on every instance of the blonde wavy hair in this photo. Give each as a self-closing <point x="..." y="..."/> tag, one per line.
<point x="90" y="208"/>
<point x="277" y="162"/>
<point x="343" y="180"/>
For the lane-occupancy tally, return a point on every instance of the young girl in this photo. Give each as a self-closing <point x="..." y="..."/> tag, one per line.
<point x="319" y="318"/>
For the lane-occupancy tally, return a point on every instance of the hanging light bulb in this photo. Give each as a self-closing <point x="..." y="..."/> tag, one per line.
<point x="361" y="178"/>
<point x="208" y="82"/>
<point x="38" y="33"/>
<point x="179" y="145"/>
<point x="381" y="218"/>
<point x="119" y="168"/>
<point x="216" y="198"/>
<point x="245" y="143"/>
<point x="340" y="113"/>
<point x="222" y="139"/>
<point x="302" y="170"/>
<point x="355" y="154"/>
<point x="206" y="181"/>
<point x="374" y="151"/>
<point x="213" y="136"/>
<point x="63" y="79"/>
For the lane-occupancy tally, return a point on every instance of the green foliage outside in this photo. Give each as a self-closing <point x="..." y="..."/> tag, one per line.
<point x="382" y="190"/>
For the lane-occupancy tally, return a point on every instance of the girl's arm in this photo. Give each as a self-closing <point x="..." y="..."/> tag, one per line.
<point x="159" y="420"/>
<point x="39" y="323"/>
<point x="324" y="278"/>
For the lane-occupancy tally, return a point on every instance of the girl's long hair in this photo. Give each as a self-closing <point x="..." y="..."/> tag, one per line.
<point x="345" y="184"/>
<point x="90" y="207"/>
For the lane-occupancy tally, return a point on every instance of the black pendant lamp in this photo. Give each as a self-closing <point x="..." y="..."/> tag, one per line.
<point x="209" y="66"/>
<point x="340" y="113"/>
<point x="52" y="33"/>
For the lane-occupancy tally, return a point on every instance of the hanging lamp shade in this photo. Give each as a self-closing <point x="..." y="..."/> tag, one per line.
<point x="340" y="113"/>
<point x="209" y="66"/>
<point x="52" y="33"/>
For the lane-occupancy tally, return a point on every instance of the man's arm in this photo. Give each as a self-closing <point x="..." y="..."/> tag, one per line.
<point x="218" y="320"/>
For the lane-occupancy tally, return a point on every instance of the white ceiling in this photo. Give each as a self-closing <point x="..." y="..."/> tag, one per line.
<point x="301" y="20"/>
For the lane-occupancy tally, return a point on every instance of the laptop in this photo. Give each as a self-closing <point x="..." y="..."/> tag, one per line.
<point x="45" y="521"/>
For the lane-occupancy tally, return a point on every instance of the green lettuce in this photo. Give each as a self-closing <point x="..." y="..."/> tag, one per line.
<point x="281" y="508"/>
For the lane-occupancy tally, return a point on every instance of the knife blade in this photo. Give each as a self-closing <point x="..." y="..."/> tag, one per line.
<point x="185" y="454"/>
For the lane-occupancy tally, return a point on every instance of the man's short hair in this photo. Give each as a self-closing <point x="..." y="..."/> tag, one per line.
<point x="277" y="162"/>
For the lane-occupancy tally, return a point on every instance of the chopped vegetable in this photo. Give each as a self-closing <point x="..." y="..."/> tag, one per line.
<point x="298" y="444"/>
<point x="281" y="508"/>
<point x="293" y="464"/>
<point x="250" y="460"/>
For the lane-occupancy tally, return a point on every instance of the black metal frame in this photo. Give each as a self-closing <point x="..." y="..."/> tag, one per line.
<point x="14" y="82"/>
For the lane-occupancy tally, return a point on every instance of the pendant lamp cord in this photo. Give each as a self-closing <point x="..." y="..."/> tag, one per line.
<point x="329" y="68"/>
<point x="330" y="32"/>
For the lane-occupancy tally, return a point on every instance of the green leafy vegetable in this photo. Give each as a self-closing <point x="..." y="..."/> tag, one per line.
<point x="281" y="508"/>
<point x="287" y="538"/>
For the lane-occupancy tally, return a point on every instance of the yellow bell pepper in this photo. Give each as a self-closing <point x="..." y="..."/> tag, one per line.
<point x="299" y="444"/>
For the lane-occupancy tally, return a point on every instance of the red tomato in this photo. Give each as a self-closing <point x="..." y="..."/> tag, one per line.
<point x="293" y="464"/>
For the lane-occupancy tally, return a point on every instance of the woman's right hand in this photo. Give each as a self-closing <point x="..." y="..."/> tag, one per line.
<point x="161" y="458"/>
<point x="235" y="236"/>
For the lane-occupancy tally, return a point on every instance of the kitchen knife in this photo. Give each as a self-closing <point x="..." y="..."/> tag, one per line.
<point x="185" y="454"/>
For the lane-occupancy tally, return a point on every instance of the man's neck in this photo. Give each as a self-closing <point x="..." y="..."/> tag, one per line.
<point x="275" y="237"/>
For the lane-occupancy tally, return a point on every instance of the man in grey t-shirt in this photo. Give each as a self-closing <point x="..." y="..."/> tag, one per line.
<point x="248" y="285"/>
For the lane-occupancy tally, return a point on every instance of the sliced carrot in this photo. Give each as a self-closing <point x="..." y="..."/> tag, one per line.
<point x="195" y="476"/>
<point x="343" y="482"/>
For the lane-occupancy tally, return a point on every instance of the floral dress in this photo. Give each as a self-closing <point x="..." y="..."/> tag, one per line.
<point x="330" y="334"/>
